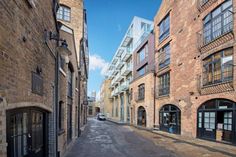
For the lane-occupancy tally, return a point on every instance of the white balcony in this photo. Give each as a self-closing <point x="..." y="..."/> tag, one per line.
<point x="144" y="34"/>
<point x="116" y="91"/>
<point x="126" y="55"/>
<point x="124" y="86"/>
<point x="114" y="72"/>
<point x="128" y="38"/>
<point x="126" y="69"/>
<point x="119" y="64"/>
<point x="120" y="52"/>
<point x="119" y="77"/>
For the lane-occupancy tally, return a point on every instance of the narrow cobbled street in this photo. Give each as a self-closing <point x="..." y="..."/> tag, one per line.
<point x="105" y="139"/>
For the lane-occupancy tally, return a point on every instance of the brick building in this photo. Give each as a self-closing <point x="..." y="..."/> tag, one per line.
<point x="141" y="87"/>
<point x="195" y="52"/>
<point x="41" y="75"/>
<point x="73" y="15"/>
<point x="27" y="77"/>
<point x="105" y="95"/>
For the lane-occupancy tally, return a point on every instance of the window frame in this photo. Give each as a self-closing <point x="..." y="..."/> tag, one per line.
<point x="165" y="50"/>
<point x="209" y="34"/>
<point x="164" y="28"/>
<point x="141" y="91"/>
<point x="209" y="76"/>
<point x="164" y="84"/>
<point x="61" y="13"/>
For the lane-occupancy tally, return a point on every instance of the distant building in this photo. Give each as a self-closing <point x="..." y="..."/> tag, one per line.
<point x="91" y="106"/>
<point x="121" y="66"/>
<point x="105" y="101"/>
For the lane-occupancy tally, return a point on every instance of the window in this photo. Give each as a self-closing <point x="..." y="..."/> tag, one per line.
<point x="145" y="27"/>
<point x="228" y="121"/>
<point x="164" y="56"/>
<point x="209" y="120"/>
<point x="142" y="54"/>
<point x="63" y="13"/>
<point x="218" y="22"/>
<point x="69" y="83"/>
<point x="164" y="84"/>
<point x="164" y="28"/>
<point x="142" y="70"/>
<point x="61" y="115"/>
<point x="218" y="67"/>
<point x="141" y="92"/>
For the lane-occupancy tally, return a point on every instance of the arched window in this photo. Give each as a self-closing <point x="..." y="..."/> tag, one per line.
<point x="216" y="120"/>
<point x="64" y="13"/>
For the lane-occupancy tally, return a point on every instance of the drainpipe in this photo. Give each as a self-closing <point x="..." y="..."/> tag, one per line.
<point x="79" y="77"/>
<point x="154" y="99"/>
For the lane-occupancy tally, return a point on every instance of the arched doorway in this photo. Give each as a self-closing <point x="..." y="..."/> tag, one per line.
<point x="217" y="120"/>
<point x="27" y="132"/>
<point x="170" y="116"/>
<point x="141" y="116"/>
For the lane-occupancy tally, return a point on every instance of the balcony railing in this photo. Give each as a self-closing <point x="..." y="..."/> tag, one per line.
<point x="124" y="86"/>
<point x="128" y="38"/>
<point x="204" y="4"/>
<point x="126" y="54"/>
<point x="144" y="35"/>
<point x="127" y="68"/>
<point x="205" y="37"/>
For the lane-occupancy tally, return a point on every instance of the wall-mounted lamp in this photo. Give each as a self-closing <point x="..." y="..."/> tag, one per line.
<point x="63" y="48"/>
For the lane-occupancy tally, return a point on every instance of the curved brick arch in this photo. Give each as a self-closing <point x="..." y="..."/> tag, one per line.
<point x="28" y="104"/>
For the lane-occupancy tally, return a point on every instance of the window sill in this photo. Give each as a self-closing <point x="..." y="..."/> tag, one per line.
<point x="60" y="132"/>
<point x="216" y="84"/>
<point x="163" y="40"/>
<point x="163" y="70"/>
<point x="163" y="96"/>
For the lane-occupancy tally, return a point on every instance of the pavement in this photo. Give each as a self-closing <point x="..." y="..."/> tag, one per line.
<point x="107" y="139"/>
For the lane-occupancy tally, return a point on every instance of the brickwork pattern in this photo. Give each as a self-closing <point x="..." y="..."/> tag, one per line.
<point x="186" y="61"/>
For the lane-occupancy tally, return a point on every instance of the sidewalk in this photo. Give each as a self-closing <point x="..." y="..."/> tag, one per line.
<point x="188" y="146"/>
<point x="116" y="122"/>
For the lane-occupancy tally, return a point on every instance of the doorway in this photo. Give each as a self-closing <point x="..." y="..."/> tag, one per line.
<point x="216" y="122"/>
<point x="170" y="119"/>
<point x="26" y="133"/>
<point x="141" y="116"/>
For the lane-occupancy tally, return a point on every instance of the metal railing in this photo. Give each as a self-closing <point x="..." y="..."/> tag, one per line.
<point x="204" y="3"/>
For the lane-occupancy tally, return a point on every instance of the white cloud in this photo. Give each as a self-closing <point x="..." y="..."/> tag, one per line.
<point x="96" y="62"/>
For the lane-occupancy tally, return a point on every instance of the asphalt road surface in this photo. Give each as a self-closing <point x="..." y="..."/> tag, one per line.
<point x="105" y="139"/>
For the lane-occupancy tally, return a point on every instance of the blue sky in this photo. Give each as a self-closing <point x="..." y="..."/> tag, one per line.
<point x="108" y="21"/>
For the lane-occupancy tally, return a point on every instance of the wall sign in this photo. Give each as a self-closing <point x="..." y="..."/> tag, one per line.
<point x="37" y="84"/>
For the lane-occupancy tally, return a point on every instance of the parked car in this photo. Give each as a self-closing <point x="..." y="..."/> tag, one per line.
<point x="101" y="116"/>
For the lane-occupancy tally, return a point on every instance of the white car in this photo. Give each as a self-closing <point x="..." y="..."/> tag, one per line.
<point x="101" y="116"/>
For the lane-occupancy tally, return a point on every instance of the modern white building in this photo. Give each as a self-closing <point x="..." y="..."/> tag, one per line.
<point x="121" y="66"/>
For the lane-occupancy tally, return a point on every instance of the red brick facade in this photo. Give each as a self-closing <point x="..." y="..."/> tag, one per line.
<point x="186" y="60"/>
